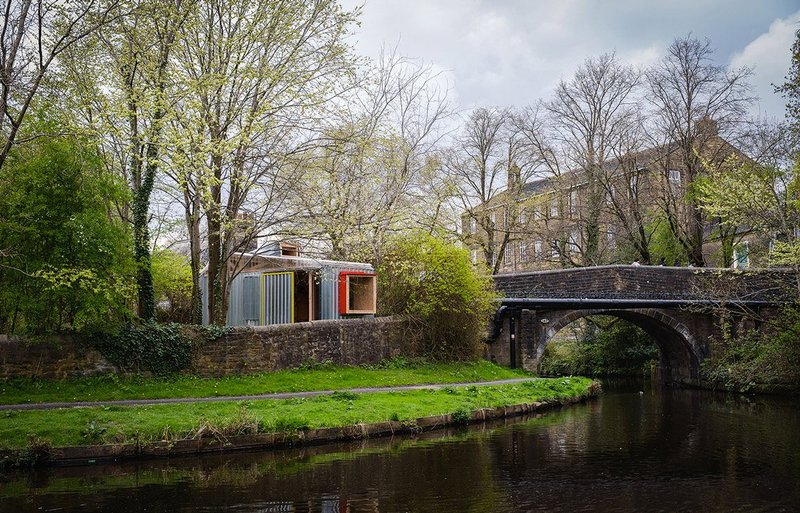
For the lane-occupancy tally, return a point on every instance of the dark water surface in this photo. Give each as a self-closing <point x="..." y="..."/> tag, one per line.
<point x="660" y="450"/>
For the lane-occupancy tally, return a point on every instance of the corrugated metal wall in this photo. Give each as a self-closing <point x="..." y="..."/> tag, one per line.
<point x="244" y="293"/>
<point x="268" y="298"/>
<point x="329" y="293"/>
<point x="278" y="305"/>
<point x="204" y="297"/>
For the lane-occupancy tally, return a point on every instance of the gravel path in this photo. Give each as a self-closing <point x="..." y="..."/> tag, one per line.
<point x="279" y="395"/>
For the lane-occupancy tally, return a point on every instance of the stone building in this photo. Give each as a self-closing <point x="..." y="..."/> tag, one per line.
<point x="602" y="214"/>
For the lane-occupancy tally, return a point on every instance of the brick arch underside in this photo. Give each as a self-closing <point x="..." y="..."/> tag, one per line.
<point x="680" y="354"/>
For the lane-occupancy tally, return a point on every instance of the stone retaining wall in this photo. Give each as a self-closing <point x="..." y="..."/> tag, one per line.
<point x="244" y="351"/>
<point x="282" y="346"/>
<point x="59" y="358"/>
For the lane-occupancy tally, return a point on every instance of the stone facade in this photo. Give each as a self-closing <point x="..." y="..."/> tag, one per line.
<point x="646" y="282"/>
<point x="58" y="359"/>
<point x="283" y="346"/>
<point x="244" y="351"/>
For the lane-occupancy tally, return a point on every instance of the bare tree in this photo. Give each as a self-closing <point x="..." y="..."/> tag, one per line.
<point x="370" y="173"/>
<point x="33" y="34"/>
<point x="489" y="163"/>
<point x="695" y="101"/>
<point x="591" y="115"/>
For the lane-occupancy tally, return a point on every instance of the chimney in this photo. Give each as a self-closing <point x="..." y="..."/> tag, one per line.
<point x="514" y="176"/>
<point x="707" y="127"/>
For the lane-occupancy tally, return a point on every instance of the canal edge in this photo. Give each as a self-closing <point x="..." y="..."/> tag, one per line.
<point x="93" y="454"/>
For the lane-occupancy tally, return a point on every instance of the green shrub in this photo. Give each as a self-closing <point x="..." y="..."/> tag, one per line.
<point x="65" y="253"/>
<point x="435" y="283"/>
<point x="765" y="359"/>
<point x="161" y="349"/>
<point x="608" y="346"/>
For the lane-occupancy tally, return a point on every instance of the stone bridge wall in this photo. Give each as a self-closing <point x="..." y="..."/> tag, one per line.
<point x="645" y="282"/>
<point x="683" y="334"/>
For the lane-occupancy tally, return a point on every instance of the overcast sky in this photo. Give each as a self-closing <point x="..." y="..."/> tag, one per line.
<point x="513" y="52"/>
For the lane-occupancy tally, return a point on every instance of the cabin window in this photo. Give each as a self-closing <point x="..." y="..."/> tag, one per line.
<point x="357" y="293"/>
<point x="289" y="249"/>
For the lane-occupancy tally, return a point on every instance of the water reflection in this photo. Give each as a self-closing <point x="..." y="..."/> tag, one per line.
<point x="658" y="450"/>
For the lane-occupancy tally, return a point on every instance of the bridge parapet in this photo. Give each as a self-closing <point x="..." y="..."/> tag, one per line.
<point x="650" y="283"/>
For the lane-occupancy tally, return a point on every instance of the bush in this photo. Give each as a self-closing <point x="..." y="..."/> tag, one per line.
<point x="65" y="262"/>
<point x="435" y="282"/>
<point x="608" y="346"/>
<point x="161" y="349"/>
<point x="172" y="286"/>
<point x="766" y="359"/>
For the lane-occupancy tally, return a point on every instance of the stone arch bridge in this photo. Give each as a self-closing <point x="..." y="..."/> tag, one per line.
<point x="679" y="307"/>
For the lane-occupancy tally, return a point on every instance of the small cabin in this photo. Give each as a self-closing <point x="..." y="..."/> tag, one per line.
<point x="278" y="286"/>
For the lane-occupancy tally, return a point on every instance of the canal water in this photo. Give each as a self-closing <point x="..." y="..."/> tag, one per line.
<point x="633" y="449"/>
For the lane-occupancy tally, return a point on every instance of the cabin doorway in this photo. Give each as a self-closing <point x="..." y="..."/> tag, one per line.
<point x="306" y="296"/>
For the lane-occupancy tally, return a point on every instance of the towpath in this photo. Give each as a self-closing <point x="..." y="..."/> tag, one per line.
<point x="258" y="397"/>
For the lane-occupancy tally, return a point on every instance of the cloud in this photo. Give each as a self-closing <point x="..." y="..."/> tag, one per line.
<point x="770" y="57"/>
<point x="514" y="52"/>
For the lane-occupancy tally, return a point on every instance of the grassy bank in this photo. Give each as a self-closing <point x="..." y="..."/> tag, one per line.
<point x="118" y="424"/>
<point x="325" y="377"/>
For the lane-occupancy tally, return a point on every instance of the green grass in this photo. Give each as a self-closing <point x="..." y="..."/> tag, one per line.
<point x="324" y="377"/>
<point x="120" y="424"/>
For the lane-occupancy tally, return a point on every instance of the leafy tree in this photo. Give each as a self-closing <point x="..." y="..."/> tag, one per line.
<point x="65" y="262"/>
<point x="603" y="346"/>
<point x="695" y="100"/>
<point x="434" y="282"/>
<point x="791" y="88"/>
<point x="172" y="284"/>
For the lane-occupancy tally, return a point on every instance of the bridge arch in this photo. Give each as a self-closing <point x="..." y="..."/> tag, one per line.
<point x="680" y="353"/>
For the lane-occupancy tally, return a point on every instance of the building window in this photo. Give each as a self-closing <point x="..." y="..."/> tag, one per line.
<point x="537" y="248"/>
<point x="508" y="254"/>
<point x="555" y="252"/>
<point x="573" y="201"/>
<point x="474" y="256"/>
<point x="573" y="240"/>
<point x="537" y="214"/>
<point x="522" y="218"/>
<point x="741" y="256"/>
<point x="554" y="208"/>
<point x="357" y="293"/>
<point x="674" y="176"/>
<point x="634" y="185"/>
<point x="523" y="251"/>
<point x="473" y="226"/>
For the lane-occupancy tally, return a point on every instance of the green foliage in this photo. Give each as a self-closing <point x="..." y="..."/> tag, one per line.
<point x="161" y="349"/>
<point x="664" y="243"/>
<point x="791" y="88"/>
<point x="461" y="416"/>
<point x="64" y="257"/>
<point x="436" y="283"/>
<point x="767" y="359"/>
<point x="172" y="285"/>
<point x="608" y="346"/>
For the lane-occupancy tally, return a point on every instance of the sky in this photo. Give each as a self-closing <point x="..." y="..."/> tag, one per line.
<point x="514" y="52"/>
